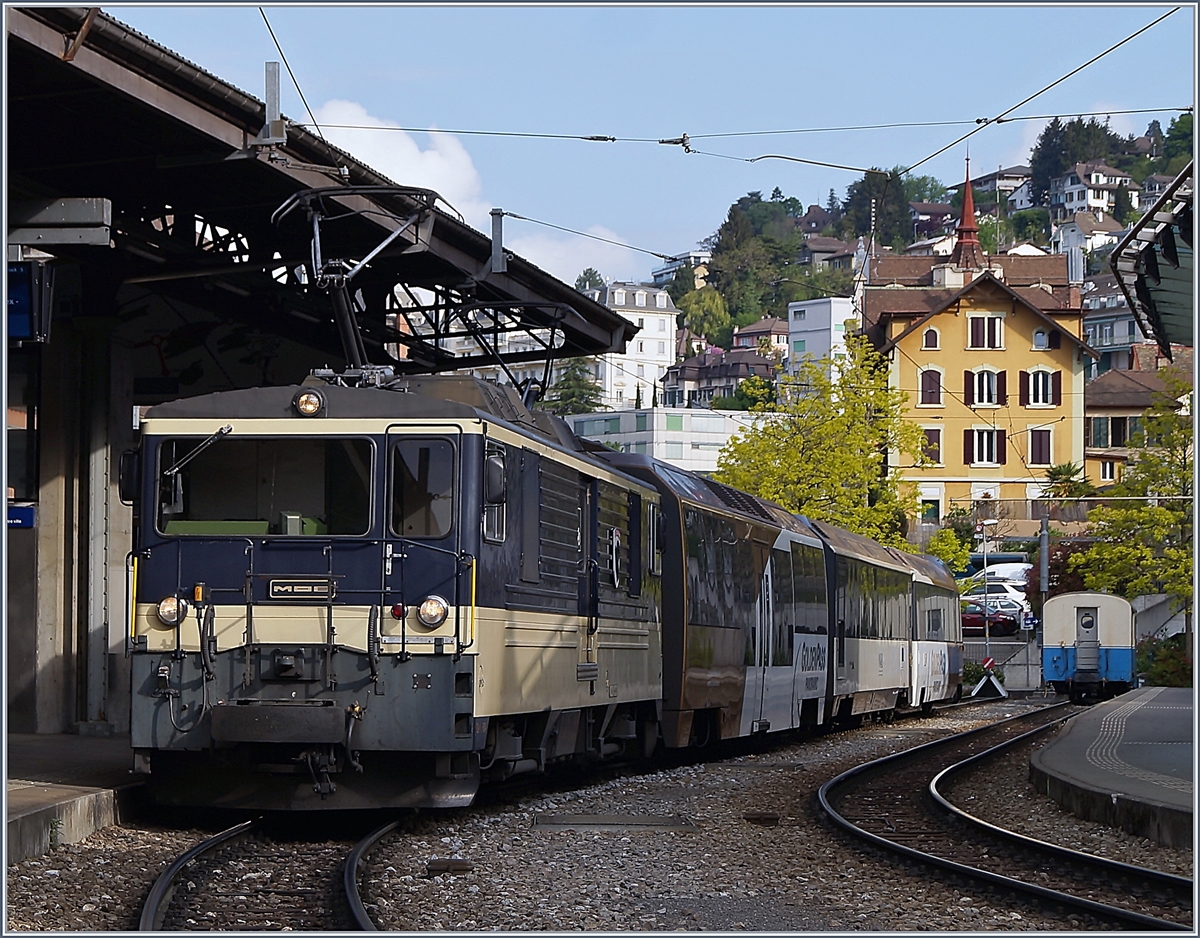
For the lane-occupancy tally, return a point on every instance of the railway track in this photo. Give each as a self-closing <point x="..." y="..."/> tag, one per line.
<point x="251" y="878"/>
<point x="895" y="803"/>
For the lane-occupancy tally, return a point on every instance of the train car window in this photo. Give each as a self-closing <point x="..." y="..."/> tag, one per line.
<point x="654" y="524"/>
<point x="933" y="623"/>
<point x="784" y="611"/>
<point x="422" y="488"/>
<point x="808" y="578"/>
<point x="289" y="486"/>
<point x="495" y="517"/>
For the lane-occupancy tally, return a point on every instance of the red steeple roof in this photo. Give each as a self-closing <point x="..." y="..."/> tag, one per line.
<point x="968" y="253"/>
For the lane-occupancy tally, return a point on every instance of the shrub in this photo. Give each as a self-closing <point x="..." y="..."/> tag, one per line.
<point x="973" y="673"/>
<point x="1164" y="662"/>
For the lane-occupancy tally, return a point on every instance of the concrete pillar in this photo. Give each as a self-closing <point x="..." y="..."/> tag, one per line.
<point x="120" y="534"/>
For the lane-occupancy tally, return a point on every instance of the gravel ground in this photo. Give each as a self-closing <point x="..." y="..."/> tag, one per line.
<point x="729" y="874"/>
<point x="1002" y="794"/>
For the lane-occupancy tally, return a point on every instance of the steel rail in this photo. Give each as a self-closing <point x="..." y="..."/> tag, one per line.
<point x="350" y="876"/>
<point x="164" y="887"/>
<point x="1097" y="908"/>
<point x="1181" y="883"/>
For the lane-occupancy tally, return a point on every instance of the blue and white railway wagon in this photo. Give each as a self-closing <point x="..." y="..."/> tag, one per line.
<point x="1088" y="648"/>
<point x="936" y="657"/>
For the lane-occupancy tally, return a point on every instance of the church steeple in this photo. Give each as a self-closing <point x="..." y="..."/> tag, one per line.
<point x="968" y="253"/>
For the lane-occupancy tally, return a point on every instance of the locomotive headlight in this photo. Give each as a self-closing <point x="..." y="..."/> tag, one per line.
<point x="172" y="610"/>
<point x="433" y="611"/>
<point x="308" y="403"/>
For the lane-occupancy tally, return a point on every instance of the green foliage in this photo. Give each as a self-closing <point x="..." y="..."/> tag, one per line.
<point x="1144" y="547"/>
<point x="590" y="279"/>
<point x="637" y="400"/>
<point x="1178" y="145"/>
<point x="682" y="283"/>
<point x="1164" y="661"/>
<point x="1060" y="146"/>
<point x="1031" y="224"/>
<point x="1062" y="578"/>
<point x="924" y="189"/>
<point x="575" y="391"/>
<point x="946" y="546"/>
<point x="823" y="452"/>
<point x="962" y="522"/>
<point x="892" y="220"/>
<point x="754" y="393"/>
<point x="1067" y="480"/>
<point x="995" y="233"/>
<point x="1122" y="205"/>
<point x="973" y="673"/>
<point x="704" y="310"/>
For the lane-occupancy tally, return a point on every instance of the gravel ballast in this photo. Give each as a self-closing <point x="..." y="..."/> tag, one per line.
<point x="740" y="869"/>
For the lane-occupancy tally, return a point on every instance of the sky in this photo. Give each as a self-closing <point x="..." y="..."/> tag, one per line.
<point x="657" y="72"/>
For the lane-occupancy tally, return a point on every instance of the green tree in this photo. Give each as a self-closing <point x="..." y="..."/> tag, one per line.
<point x="892" y="220"/>
<point x="995" y="233"/>
<point x="1067" y="480"/>
<point x="755" y="393"/>
<point x="682" y="283"/>
<point x="1122" y="205"/>
<point x="637" y="400"/>
<point x="575" y="391"/>
<point x="924" y="189"/>
<point x="821" y="449"/>
<point x="590" y="279"/>
<point x="1031" y="224"/>
<point x="946" y="546"/>
<point x="704" y="311"/>
<point x="1145" y="547"/>
<point x="1178" y="144"/>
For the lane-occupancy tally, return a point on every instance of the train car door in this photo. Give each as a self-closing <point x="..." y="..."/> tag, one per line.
<point x="423" y="538"/>
<point x="1087" y="639"/>
<point x="588" y="668"/>
<point x="840" y="620"/>
<point x="779" y="674"/>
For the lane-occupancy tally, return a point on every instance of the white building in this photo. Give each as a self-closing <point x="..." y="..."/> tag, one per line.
<point x="649" y="353"/>
<point x="1090" y="187"/>
<point x="817" y="328"/>
<point x="663" y="275"/>
<point x="1019" y="199"/>
<point x="1083" y="231"/>
<point x="684" y="438"/>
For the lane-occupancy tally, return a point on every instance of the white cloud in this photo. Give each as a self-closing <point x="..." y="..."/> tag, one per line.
<point x="565" y="256"/>
<point x="445" y="167"/>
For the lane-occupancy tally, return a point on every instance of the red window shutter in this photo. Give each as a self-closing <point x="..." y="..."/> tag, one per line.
<point x="977" y="334"/>
<point x="933" y="445"/>
<point x="968" y="446"/>
<point x="1055" y="338"/>
<point x="969" y="388"/>
<point x="1056" y="389"/>
<point x="1001" y="449"/>
<point x="993" y="332"/>
<point x="1002" y="388"/>
<point x="1024" y="383"/>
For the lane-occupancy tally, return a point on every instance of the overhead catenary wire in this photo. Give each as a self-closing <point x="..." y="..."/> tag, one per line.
<point x="299" y="91"/>
<point x="1058" y="81"/>
<point x="584" y="234"/>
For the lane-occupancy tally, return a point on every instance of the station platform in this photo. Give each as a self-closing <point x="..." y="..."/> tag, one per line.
<point x="1128" y="763"/>
<point x="61" y="788"/>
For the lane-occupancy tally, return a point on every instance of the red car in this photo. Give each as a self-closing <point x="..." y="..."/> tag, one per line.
<point x="999" y="623"/>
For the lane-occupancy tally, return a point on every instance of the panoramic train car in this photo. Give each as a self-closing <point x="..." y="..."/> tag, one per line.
<point x="1089" y="645"/>
<point x="870" y="622"/>
<point x="374" y="596"/>
<point x="936" y="656"/>
<point x="745" y="611"/>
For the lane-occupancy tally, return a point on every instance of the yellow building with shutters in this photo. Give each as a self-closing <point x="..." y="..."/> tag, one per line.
<point x="988" y="350"/>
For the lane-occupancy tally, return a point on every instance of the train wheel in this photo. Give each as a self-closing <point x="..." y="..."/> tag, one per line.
<point x="927" y="707"/>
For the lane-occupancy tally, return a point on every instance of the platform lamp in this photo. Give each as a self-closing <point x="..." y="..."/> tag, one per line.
<point x="982" y="528"/>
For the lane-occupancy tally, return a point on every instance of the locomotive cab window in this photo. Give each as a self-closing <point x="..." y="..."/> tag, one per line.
<point x="287" y="486"/>
<point x="422" y="488"/>
<point x="495" y="508"/>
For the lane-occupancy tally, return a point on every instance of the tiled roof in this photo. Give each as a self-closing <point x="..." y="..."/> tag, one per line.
<point x="1119" y="388"/>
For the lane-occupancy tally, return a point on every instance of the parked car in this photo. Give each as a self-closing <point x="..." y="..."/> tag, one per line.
<point x="994" y="590"/>
<point x="1005" y="572"/>
<point x="999" y="623"/>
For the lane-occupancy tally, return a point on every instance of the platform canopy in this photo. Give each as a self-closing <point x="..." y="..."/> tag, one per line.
<point x="1155" y="266"/>
<point x="97" y="111"/>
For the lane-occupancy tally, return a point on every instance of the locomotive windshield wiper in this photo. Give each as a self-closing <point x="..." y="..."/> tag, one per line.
<point x="175" y="467"/>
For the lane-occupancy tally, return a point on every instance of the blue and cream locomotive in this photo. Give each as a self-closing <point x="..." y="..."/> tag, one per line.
<point x="373" y="591"/>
